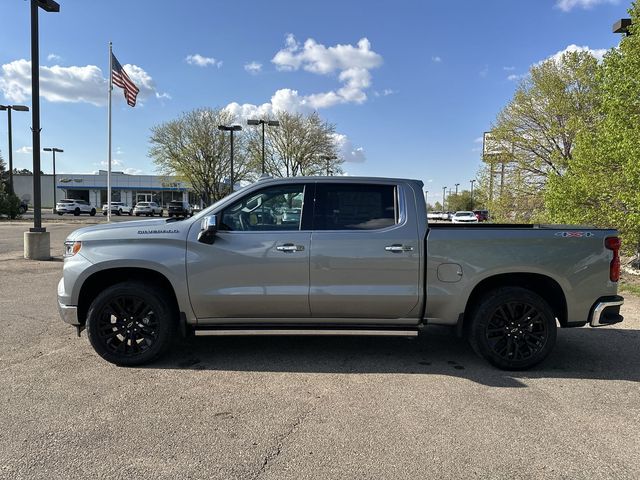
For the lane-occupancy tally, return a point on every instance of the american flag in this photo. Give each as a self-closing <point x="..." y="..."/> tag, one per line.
<point x="120" y="78"/>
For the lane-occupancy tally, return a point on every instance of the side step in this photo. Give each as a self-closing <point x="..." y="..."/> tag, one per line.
<point x="308" y="331"/>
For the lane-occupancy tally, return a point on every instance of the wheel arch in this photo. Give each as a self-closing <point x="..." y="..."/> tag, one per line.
<point x="543" y="285"/>
<point x="102" y="279"/>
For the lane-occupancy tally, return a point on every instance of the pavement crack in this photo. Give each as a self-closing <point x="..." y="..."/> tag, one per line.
<point x="276" y="449"/>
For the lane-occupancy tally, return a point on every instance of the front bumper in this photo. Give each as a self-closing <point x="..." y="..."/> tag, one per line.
<point x="68" y="313"/>
<point x="606" y="311"/>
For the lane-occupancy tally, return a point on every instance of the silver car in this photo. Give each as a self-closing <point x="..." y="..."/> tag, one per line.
<point x="147" y="208"/>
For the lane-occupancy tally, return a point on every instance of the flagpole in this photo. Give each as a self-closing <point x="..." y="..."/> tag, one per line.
<point x="109" y="158"/>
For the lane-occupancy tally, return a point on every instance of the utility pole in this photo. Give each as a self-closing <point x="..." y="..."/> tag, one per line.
<point x="472" y="182"/>
<point x="271" y="123"/>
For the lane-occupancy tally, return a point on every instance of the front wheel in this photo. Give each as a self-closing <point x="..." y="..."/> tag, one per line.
<point x="92" y="212"/>
<point x="130" y="213"/>
<point x="76" y="212"/>
<point x="161" y="212"/>
<point x="513" y="328"/>
<point x="130" y="323"/>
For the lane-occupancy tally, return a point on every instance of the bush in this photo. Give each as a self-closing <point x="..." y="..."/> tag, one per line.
<point x="9" y="205"/>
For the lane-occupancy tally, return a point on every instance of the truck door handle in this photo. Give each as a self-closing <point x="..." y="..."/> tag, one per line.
<point x="290" y="247"/>
<point x="397" y="248"/>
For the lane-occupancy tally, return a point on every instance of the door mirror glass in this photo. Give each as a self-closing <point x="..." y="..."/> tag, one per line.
<point x="208" y="229"/>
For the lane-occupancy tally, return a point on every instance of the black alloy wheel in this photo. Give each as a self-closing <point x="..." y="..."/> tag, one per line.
<point x="513" y="328"/>
<point x="130" y="324"/>
<point x="76" y="212"/>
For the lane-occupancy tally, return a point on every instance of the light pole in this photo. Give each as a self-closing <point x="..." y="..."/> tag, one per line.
<point x="328" y="159"/>
<point x="37" y="242"/>
<point x="457" y="188"/>
<point x="472" y="182"/>
<point x="8" y="108"/>
<point x="444" y="191"/>
<point x="230" y="129"/>
<point x="54" y="150"/>
<point x="271" y="123"/>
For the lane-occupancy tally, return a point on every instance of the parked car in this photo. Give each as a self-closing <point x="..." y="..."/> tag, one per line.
<point x="118" y="208"/>
<point x="363" y="259"/>
<point x="434" y="215"/>
<point x="482" y="215"/>
<point x="23" y="208"/>
<point x="292" y="215"/>
<point x="464" y="217"/>
<point x="179" y="209"/>
<point x="147" y="208"/>
<point x="74" y="206"/>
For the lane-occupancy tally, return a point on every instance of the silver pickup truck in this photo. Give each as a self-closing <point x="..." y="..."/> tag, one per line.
<point x="339" y="256"/>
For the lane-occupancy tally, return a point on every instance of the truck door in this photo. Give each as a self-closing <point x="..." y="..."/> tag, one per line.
<point x="365" y="257"/>
<point x="258" y="265"/>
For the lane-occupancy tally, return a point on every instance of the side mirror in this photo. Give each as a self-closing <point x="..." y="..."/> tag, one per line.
<point x="208" y="229"/>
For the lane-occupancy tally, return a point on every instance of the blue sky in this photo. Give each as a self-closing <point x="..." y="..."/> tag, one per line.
<point x="410" y="100"/>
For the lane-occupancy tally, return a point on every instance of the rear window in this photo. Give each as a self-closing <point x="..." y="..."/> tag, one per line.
<point x="348" y="206"/>
<point x="65" y="201"/>
<point x="143" y="204"/>
<point x="175" y="204"/>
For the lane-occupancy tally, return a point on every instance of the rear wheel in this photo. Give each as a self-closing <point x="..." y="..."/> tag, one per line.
<point x="92" y="212"/>
<point x="161" y="212"/>
<point x="130" y="213"/>
<point x="119" y="212"/>
<point x="513" y="328"/>
<point x="130" y="324"/>
<point x="76" y="212"/>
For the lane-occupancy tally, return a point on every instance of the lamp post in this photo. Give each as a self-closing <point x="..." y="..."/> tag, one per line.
<point x="230" y="129"/>
<point x="37" y="242"/>
<point x="457" y="188"/>
<point x="472" y="182"/>
<point x="271" y="123"/>
<point x="328" y="158"/>
<point x="444" y="191"/>
<point x="54" y="150"/>
<point x="9" y="108"/>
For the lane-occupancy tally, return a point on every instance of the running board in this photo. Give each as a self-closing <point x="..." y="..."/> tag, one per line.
<point x="307" y="331"/>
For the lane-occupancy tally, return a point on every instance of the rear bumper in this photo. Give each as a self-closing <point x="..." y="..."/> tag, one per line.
<point x="606" y="311"/>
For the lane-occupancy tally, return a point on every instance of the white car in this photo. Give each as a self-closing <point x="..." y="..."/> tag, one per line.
<point x="74" y="206"/>
<point x="118" y="208"/>
<point x="147" y="208"/>
<point x="464" y="217"/>
<point x="434" y="215"/>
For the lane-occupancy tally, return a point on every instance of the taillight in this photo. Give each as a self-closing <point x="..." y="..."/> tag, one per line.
<point x="613" y="243"/>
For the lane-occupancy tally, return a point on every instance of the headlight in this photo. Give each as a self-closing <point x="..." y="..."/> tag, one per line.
<point x="71" y="248"/>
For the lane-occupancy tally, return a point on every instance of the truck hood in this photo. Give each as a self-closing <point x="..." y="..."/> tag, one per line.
<point x="131" y="230"/>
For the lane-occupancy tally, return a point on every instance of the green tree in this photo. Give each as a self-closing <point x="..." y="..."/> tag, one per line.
<point x="535" y="134"/>
<point x="600" y="186"/>
<point x="194" y="149"/>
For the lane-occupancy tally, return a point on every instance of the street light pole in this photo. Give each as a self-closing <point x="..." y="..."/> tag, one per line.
<point x="9" y="108"/>
<point x="457" y="188"/>
<point x="472" y="182"/>
<point x="444" y="191"/>
<point x="47" y="6"/>
<point x="54" y="150"/>
<point x="230" y="129"/>
<point x="328" y="159"/>
<point x="271" y="123"/>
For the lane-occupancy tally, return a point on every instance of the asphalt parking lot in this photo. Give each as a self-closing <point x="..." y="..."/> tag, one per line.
<point x="301" y="407"/>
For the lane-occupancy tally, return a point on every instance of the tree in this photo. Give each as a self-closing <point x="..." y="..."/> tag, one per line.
<point x="600" y="186"/>
<point x="194" y="149"/>
<point x="536" y="133"/>
<point x="301" y="145"/>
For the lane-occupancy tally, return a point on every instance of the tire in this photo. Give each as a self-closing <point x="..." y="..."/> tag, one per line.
<point x="92" y="212"/>
<point x="60" y="213"/>
<point x="76" y="212"/>
<point x="118" y="336"/>
<point x="170" y="215"/>
<point x="513" y="328"/>
<point x="104" y="213"/>
<point x="161" y="213"/>
<point x="119" y="212"/>
<point x="130" y="213"/>
<point x="137" y="214"/>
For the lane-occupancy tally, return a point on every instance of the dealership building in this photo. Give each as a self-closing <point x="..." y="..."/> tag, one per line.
<point x="126" y="188"/>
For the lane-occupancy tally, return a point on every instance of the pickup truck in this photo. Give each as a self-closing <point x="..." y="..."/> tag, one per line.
<point x="360" y="259"/>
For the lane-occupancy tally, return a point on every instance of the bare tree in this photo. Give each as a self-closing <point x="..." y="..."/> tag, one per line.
<point x="193" y="149"/>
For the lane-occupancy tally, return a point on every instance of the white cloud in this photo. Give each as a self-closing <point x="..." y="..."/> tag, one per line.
<point x="598" y="53"/>
<point x="436" y="59"/>
<point x="508" y="69"/>
<point x="253" y="68"/>
<point x="71" y="84"/>
<point x="347" y="150"/>
<point x="568" y="5"/>
<point x="25" y="149"/>
<point x="52" y="57"/>
<point x="515" y="77"/>
<point x="484" y="72"/>
<point x="352" y="63"/>
<point x="201" y="61"/>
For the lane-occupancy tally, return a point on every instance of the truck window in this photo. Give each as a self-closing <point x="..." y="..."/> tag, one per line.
<point x="269" y="209"/>
<point x="347" y="206"/>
